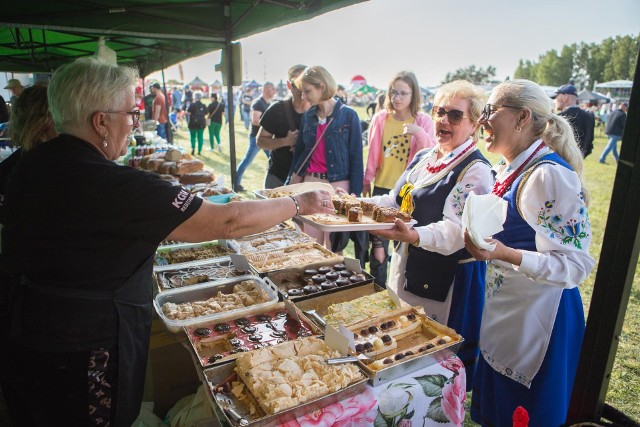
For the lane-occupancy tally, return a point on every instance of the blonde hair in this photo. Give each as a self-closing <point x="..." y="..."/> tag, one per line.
<point x="86" y="85"/>
<point x="409" y="78"/>
<point x="462" y="89"/>
<point x="318" y="76"/>
<point x="30" y="118"/>
<point x="553" y="129"/>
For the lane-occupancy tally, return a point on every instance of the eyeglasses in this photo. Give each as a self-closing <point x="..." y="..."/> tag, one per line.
<point x="135" y="115"/>
<point x="393" y="93"/>
<point x="489" y="109"/>
<point x="455" y="116"/>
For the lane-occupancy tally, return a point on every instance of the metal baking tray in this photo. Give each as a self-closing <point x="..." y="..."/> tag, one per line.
<point x="280" y="320"/>
<point x="219" y="374"/>
<point x="272" y="241"/>
<point x="294" y="275"/>
<point x="205" y="291"/>
<point x="162" y="263"/>
<point x="262" y="267"/>
<point x="196" y="272"/>
<point x="398" y="369"/>
<point x="320" y="304"/>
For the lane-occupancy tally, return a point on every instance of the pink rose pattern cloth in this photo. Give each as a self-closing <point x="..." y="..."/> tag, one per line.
<point x="433" y="396"/>
<point x="99" y="388"/>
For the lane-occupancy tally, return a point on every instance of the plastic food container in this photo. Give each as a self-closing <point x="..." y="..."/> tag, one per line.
<point x="205" y="291"/>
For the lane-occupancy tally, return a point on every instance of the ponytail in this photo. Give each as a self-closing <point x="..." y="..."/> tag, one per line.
<point x="558" y="135"/>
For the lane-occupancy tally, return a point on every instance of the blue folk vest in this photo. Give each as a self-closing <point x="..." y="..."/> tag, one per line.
<point x="517" y="232"/>
<point x="430" y="274"/>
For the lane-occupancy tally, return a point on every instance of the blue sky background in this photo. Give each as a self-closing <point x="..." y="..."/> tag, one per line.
<point x="380" y="37"/>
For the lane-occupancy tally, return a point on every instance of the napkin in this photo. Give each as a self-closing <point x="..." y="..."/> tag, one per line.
<point x="483" y="217"/>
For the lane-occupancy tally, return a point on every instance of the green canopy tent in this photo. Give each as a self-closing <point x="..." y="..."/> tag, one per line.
<point x="365" y="90"/>
<point x="38" y="36"/>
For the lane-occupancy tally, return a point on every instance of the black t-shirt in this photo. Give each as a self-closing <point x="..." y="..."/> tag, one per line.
<point x="217" y="117"/>
<point x="74" y="219"/>
<point x="275" y="121"/>
<point x="258" y="105"/>
<point x="6" y="166"/>
<point x="197" y="117"/>
<point x="583" y="124"/>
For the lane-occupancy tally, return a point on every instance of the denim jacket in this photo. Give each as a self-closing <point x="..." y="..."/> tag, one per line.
<point x="343" y="146"/>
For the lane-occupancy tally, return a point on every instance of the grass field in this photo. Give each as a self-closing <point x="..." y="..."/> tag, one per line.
<point x="625" y="378"/>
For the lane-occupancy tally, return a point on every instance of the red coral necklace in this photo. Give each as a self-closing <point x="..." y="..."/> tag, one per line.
<point x="500" y="188"/>
<point x="441" y="166"/>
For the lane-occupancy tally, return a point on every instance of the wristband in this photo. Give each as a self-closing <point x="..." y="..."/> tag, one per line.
<point x="297" y="205"/>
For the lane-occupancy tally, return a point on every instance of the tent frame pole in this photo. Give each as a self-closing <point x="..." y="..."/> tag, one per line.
<point x="614" y="279"/>
<point x="230" y="120"/>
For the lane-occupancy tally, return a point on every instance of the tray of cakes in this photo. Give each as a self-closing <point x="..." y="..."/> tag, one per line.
<point x="230" y="336"/>
<point x="350" y="306"/>
<point x="271" y="386"/>
<point x="279" y="259"/>
<point x="352" y="214"/>
<point x="205" y="303"/>
<point x="401" y="342"/>
<point x="316" y="279"/>
<point x="270" y="241"/>
<point x="193" y="274"/>
<point x="180" y="255"/>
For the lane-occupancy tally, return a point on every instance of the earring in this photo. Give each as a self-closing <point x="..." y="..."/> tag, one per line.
<point x="104" y="141"/>
<point x="518" y="128"/>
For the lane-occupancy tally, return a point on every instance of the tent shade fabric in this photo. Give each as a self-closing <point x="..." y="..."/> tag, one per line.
<point x="39" y="36"/>
<point x="198" y="82"/>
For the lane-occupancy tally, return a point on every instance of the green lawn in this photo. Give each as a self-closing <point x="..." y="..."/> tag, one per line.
<point x="625" y="379"/>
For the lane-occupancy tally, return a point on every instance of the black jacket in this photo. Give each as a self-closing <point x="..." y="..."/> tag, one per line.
<point x="582" y="123"/>
<point x="616" y="122"/>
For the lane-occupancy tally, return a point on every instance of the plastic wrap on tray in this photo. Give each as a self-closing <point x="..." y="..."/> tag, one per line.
<point x="270" y="241"/>
<point x="227" y="338"/>
<point x="204" y="303"/>
<point x="189" y="275"/>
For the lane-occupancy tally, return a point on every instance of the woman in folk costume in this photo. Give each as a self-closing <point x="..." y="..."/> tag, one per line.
<point x="430" y="267"/>
<point x="533" y="320"/>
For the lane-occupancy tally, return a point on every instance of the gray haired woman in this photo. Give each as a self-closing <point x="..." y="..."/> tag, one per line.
<point x="77" y="251"/>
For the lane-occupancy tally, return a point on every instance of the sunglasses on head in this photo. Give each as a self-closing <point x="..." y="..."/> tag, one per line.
<point x="454" y="116"/>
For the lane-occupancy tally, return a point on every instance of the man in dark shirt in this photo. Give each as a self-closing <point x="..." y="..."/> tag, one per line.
<point x="279" y="131"/>
<point x="4" y="111"/>
<point x="581" y="121"/>
<point x="258" y="108"/>
<point x="614" y="130"/>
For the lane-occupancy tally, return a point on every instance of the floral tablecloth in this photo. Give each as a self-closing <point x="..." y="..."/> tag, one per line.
<point x="432" y="396"/>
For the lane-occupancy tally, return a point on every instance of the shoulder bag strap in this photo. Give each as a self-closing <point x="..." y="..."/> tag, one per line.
<point x="288" y="106"/>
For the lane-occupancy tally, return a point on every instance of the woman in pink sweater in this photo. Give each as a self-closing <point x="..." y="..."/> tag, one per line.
<point x="396" y="134"/>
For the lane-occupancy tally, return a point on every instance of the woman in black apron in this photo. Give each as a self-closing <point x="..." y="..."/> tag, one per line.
<point x="79" y="233"/>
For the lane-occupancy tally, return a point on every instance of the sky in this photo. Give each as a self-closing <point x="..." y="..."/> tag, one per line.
<point x="378" y="38"/>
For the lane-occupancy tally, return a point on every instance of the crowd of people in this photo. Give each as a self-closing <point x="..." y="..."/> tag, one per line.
<point x="518" y="306"/>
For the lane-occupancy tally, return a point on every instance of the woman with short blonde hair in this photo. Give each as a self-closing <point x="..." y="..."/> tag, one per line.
<point x="319" y="77"/>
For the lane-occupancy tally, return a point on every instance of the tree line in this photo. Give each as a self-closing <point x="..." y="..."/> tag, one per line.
<point x="582" y="63"/>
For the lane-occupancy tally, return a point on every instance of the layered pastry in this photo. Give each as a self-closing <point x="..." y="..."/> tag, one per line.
<point x="354" y="214"/>
<point x="389" y="215"/>
<point x="175" y="256"/>
<point x="245" y="294"/>
<point x="360" y="309"/>
<point x="222" y="341"/>
<point x="293" y="373"/>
